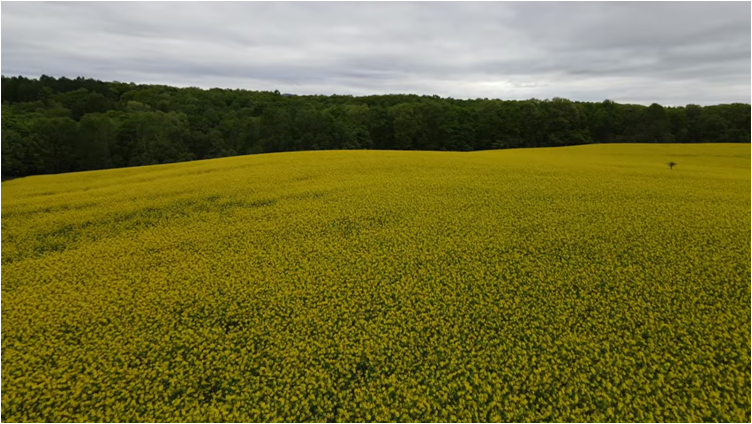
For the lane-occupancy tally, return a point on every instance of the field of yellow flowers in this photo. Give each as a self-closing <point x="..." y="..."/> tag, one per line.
<point x="583" y="283"/>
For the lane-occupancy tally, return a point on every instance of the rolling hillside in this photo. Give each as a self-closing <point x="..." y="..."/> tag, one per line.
<point x="585" y="283"/>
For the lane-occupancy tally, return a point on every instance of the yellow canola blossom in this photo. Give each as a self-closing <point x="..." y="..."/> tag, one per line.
<point x="585" y="283"/>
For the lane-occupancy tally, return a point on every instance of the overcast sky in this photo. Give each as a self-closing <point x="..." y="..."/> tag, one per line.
<point x="671" y="53"/>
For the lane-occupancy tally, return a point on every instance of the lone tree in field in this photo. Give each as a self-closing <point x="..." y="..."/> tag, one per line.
<point x="671" y="165"/>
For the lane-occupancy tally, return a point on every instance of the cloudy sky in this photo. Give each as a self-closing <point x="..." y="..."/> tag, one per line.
<point x="671" y="53"/>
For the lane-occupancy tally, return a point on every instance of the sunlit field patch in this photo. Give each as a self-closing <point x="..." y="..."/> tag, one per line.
<point x="585" y="283"/>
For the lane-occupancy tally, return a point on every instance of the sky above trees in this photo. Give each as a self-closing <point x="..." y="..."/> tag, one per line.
<point x="670" y="53"/>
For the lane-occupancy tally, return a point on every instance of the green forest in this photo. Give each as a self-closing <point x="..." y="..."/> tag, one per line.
<point x="53" y="125"/>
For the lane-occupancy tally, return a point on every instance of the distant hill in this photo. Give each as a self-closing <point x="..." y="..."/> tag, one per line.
<point x="54" y="125"/>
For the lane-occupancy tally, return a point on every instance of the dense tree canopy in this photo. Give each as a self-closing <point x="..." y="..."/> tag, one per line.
<point x="52" y="125"/>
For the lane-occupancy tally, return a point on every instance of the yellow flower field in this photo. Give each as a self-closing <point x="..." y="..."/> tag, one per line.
<point x="584" y="283"/>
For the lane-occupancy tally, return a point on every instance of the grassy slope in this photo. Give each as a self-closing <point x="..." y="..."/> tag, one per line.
<point x="578" y="283"/>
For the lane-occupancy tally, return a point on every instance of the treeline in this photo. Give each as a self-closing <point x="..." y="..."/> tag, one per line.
<point x="53" y="125"/>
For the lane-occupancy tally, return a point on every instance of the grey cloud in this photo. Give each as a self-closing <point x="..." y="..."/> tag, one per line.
<point x="673" y="53"/>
